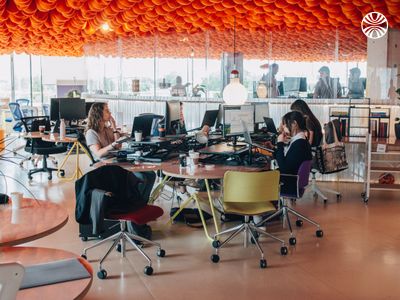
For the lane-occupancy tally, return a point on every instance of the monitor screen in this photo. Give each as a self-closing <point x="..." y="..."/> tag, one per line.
<point x="72" y="109"/>
<point x="210" y="117"/>
<point x="234" y="115"/>
<point x="55" y="109"/>
<point x="143" y="123"/>
<point x="294" y="84"/>
<point x="261" y="110"/>
<point x="172" y="113"/>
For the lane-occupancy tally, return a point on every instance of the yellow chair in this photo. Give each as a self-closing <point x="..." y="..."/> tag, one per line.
<point x="249" y="194"/>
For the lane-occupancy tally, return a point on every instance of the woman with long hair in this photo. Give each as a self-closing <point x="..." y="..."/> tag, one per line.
<point x="101" y="136"/>
<point x="314" y="128"/>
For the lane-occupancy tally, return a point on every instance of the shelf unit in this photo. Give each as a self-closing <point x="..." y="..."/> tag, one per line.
<point x="380" y="163"/>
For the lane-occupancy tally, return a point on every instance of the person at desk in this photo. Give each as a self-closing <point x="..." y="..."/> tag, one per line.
<point x="356" y="85"/>
<point x="179" y="127"/>
<point x="101" y="136"/>
<point x="179" y="89"/>
<point x="270" y="81"/>
<point x="327" y="87"/>
<point x="314" y="129"/>
<point x="291" y="156"/>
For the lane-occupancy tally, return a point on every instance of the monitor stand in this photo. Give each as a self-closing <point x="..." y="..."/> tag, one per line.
<point x="56" y="128"/>
<point x="234" y="143"/>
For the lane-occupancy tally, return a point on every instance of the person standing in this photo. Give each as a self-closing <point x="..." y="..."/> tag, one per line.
<point x="270" y="81"/>
<point x="327" y="87"/>
<point x="179" y="89"/>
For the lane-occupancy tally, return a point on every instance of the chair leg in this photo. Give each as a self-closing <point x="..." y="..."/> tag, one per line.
<point x="256" y="242"/>
<point x="301" y="216"/>
<point x="234" y="234"/>
<point x="137" y="248"/>
<point x="319" y="192"/>
<point x="113" y="237"/>
<point x="143" y="240"/>
<point x="263" y="232"/>
<point x="109" y="251"/>
<point x="227" y="231"/>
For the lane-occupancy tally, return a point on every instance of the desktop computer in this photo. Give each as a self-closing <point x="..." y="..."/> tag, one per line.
<point x="233" y="116"/>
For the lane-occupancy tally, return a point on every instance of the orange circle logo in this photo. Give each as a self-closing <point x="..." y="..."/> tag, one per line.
<point x="374" y="25"/>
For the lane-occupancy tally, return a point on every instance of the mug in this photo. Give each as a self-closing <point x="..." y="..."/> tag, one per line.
<point x="138" y="136"/>
<point x="42" y="128"/>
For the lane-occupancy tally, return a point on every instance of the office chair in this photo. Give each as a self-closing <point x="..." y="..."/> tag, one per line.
<point x="295" y="190"/>
<point x="11" y="275"/>
<point x="17" y="115"/>
<point x="120" y="186"/>
<point x="319" y="191"/>
<point x="46" y="109"/>
<point x="22" y="102"/>
<point x="40" y="147"/>
<point x="82" y="140"/>
<point x="249" y="194"/>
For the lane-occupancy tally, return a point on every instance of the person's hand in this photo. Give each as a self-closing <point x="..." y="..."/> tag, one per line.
<point x="205" y="130"/>
<point x="112" y="121"/>
<point x="281" y="138"/>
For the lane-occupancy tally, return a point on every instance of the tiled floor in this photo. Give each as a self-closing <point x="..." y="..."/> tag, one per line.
<point x="358" y="257"/>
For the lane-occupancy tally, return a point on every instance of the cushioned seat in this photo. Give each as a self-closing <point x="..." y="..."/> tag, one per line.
<point x="141" y="216"/>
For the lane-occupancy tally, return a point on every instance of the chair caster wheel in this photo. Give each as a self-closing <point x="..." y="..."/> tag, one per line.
<point x="216" y="244"/>
<point x="299" y="223"/>
<point x="30" y="177"/>
<point x="84" y="238"/>
<point x="319" y="233"/>
<point x="284" y="250"/>
<point x="292" y="241"/>
<point x="84" y="256"/>
<point x="315" y="196"/>
<point x="161" y="253"/>
<point x="338" y="196"/>
<point x="119" y="248"/>
<point x="49" y="177"/>
<point x="363" y="194"/>
<point x="148" y="270"/>
<point x="263" y="263"/>
<point x="325" y="201"/>
<point x="102" y="274"/>
<point x="62" y="173"/>
<point x="215" y="258"/>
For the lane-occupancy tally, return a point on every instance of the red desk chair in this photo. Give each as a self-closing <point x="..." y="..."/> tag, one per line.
<point x="141" y="216"/>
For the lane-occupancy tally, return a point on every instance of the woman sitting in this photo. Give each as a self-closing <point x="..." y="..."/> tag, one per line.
<point x="101" y="136"/>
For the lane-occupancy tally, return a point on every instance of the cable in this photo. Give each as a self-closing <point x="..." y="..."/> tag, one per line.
<point x="5" y="182"/>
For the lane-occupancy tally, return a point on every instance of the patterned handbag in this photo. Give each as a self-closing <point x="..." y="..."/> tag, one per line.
<point x="331" y="158"/>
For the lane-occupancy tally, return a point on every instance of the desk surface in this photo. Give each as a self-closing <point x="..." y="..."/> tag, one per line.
<point x="173" y="169"/>
<point x="223" y="148"/>
<point x="55" y="138"/>
<point x="133" y="167"/>
<point x="75" y="289"/>
<point x="33" y="220"/>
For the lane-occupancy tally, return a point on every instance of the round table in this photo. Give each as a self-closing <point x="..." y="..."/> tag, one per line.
<point x="26" y="256"/>
<point x="173" y="169"/>
<point x="33" y="220"/>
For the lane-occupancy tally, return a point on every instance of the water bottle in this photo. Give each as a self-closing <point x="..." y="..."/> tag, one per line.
<point x="62" y="129"/>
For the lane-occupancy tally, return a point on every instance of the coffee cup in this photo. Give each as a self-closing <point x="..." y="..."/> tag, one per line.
<point x="15" y="216"/>
<point x="138" y="136"/>
<point x="195" y="157"/>
<point x="16" y="199"/>
<point x="42" y="128"/>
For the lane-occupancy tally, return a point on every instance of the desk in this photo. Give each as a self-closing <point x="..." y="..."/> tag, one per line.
<point x="55" y="138"/>
<point x="75" y="289"/>
<point x="173" y="169"/>
<point x="33" y="220"/>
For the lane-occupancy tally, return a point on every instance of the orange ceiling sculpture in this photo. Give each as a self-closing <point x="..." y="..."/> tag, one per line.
<point x="300" y="29"/>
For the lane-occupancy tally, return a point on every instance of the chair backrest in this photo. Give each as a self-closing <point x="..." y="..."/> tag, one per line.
<point x="304" y="174"/>
<point x="29" y="111"/>
<point x="251" y="186"/>
<point x="11" y="275"/>
<point x="23" y="101"/>
<point x="15" y="111"/>
<point x="82" y="140"/>
<point x="32" y="123"/>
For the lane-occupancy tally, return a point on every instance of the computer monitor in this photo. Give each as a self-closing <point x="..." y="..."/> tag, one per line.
<point x="88" y="105"/>
<point x="270" y="125"/>
<point x="72" y="109"/>
<point x="233" y="117"/>
<point x="261" y="110"/>
<point x="143" y="123"/>
<point x="172" y="116"/>
<point x="210" y="117"/>
<point x="294" y="85"/>
<point x="55" y="109"/>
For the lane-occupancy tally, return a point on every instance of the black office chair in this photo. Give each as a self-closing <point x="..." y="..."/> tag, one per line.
<point x="82" y="140"/>
<point x="40" y="147"/>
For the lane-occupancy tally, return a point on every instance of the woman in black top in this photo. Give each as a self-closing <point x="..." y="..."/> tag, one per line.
<point x="291" y="156"/>
<point x="313" y="126"/>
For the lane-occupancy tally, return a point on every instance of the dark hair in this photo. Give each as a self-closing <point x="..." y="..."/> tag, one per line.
<point x="301" y="106"/>
<point x="95" y="116"/>
<point x="294" y="116"/>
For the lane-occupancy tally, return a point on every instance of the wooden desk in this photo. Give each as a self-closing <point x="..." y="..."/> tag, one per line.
<point x="172" y="169"/>
<point x="55" y="138"/>
<point x="32" y="221"/>
<point x="26" y="256"/>
<point x="133" y="167"/>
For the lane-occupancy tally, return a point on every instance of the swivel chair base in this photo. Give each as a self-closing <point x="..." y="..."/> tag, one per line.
<point x="319" y="192"/>
<point x="284" y="211"/>
<point x="44" y="168"/>
<point x="251" y="230"/>
<point x="119" y="240"/>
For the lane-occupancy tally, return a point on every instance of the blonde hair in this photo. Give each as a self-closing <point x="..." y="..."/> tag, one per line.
<point x="95" y="116"/>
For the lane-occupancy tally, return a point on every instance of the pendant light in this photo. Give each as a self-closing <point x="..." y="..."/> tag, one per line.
<point x="234" y="93"/>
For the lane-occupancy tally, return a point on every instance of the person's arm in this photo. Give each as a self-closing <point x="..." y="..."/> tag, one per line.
<point x="114" y="129"/>
<point x="102" y="152"/>
<point x="290" y="163"/>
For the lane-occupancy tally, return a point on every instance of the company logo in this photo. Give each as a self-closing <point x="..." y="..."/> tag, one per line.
<point x="374" y="25"/>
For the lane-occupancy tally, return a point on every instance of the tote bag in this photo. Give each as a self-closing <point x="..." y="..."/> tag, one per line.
<point x="331" y="158"/>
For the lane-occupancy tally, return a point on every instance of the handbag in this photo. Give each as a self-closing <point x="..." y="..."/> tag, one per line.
<point x="331" y="158"/>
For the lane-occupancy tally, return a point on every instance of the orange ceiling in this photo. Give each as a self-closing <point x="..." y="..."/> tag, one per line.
<point x="281" y="29"/>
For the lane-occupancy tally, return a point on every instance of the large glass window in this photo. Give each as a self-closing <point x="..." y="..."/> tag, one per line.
<point x="22" y="76"/>
<point x="5" y="77"/>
